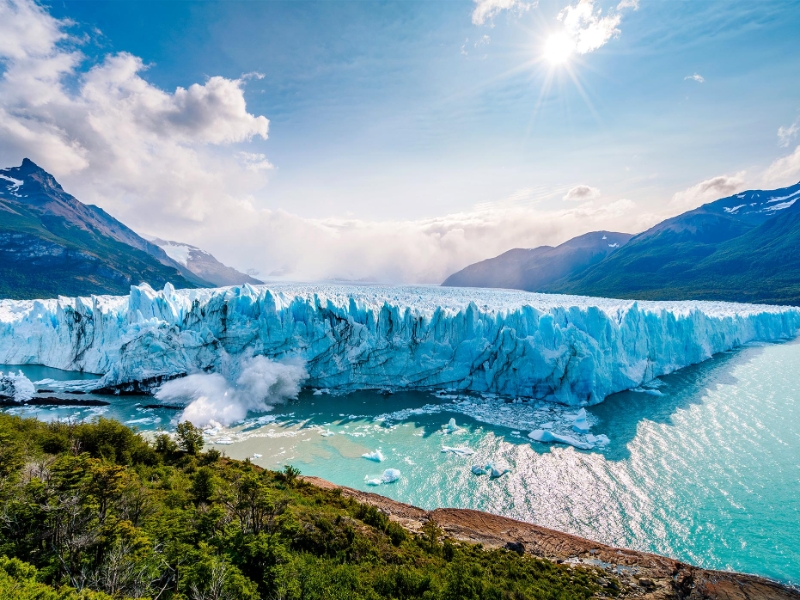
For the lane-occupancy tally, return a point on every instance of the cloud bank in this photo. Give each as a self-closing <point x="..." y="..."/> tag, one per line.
<point x="587" y="27"/>
<point x="114" y="138"/>
<point x="707" y="191"/>
<point x="486" y="10"/>
<point x="788" y="133"/>
<point x="582" y="192"/>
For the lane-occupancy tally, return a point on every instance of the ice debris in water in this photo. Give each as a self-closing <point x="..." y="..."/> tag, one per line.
<point x="451" y="427"/>
<point x="459" y="451"/>
<point x="566" y="349"/>
<point x="494" y="470"/>
<point x="16" y="386"/>
<point x="581" y="425"/>
<point x="598" y="440"/>
<point x="389" y="476"/>
<point x="548" y="437"/>
<point x="256" y="455"/>
<point x="375" y="455"/>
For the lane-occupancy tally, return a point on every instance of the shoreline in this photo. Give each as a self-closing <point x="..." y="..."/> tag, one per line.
<point x="643" y="574"/>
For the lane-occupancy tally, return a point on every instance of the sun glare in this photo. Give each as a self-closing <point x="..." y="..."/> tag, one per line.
<point x="558" y="48"/>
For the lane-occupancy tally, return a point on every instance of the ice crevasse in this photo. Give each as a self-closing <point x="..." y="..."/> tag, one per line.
<point x="567" y="349"/>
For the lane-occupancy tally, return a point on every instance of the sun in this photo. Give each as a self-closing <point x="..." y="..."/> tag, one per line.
<point x="558" y="48"/>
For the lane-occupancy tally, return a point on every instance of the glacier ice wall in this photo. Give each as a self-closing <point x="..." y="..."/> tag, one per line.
<point x="572" y="350"/>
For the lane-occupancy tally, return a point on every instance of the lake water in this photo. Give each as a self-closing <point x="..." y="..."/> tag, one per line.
<point x="705" y="467"/>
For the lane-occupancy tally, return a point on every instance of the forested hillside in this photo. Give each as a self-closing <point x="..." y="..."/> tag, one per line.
<point x="96" y="507"/>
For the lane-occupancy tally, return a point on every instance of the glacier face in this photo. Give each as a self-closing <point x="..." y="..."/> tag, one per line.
<point x="572" y="350"/>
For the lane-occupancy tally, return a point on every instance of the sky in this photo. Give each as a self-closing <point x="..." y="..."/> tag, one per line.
<point x="398" y="141"/>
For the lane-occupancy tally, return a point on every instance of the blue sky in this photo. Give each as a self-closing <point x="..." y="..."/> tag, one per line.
<point x="409" y="121"/>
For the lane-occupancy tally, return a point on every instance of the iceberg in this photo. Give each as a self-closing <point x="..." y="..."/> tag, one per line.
<point x="389" y="476"/>
<point x="459" y="450"/>
<point x="581" y="425"/>
<point x="548" y="437"/>
<point x="451" y="427"/>
<point x="375" y="455"/>
<point x="478" y="470"/>
<point x="566" y="349"/>
<point x="496" y="471"/>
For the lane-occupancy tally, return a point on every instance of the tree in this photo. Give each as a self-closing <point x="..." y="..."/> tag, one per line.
<point x="190" y="438"/>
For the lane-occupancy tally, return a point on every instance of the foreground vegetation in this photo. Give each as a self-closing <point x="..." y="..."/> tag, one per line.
<point x="94" y="511"/>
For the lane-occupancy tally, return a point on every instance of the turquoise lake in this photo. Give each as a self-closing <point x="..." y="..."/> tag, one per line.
<point x="704" y="467"/>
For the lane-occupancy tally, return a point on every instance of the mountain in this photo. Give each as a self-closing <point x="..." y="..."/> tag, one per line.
<point x="203" y="264"/>
<point x="51" y="244"/>
<point x="743" y="248"/>
<point x="537" y="269"/>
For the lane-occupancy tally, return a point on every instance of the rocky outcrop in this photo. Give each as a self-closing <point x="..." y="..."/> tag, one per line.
<point x="639" y="574"/>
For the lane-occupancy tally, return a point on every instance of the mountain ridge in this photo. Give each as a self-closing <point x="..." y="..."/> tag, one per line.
<point x="204" y="264"/>
<point x="52" y="244"/>
<point x="741" y="248"/>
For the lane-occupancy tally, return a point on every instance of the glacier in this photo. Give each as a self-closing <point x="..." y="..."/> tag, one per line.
<point x="567" y="349"/>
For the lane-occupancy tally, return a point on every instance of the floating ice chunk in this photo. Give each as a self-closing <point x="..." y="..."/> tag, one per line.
<point x="320" y="392"/>
<point x="389" y="476"/>
<point x="602" y="440"/>
<point x="16" y="386"/>
<point x="256" y="455"/>
<point x="375" y="455"/>
<point x="478" y="470"/>
<point x="496" y="471"/>
<point x="548" y="437"/>
<point x="548" y="425"/>
<point x="451" y="427"/>
<point x="460" y="450"/>
<point x="327" y="433"/>
<point x="650" y="391"/>
<point x="581" y="425"/>
<point x="226" y="441"/>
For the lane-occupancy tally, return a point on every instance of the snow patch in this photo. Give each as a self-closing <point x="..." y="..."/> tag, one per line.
<point x="180" y="253"/>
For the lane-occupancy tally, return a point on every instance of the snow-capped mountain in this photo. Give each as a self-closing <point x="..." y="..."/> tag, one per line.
<point x="203" y="264"/>
<point x="52" y="244"/>
<point x="743" y="248"/>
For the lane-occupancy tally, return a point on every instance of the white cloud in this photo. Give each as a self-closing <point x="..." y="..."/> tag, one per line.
<point x="588" y="29"/>
<point x="114" y="139"/>
<point x="707" y="191"/>
<point x="696" y="77"/>
<point x="582" y="193"/>
<point x="485" y="10"/>
<point x="783" y="172"/>
<point x="255" y="161"/>
<point x="634" y="4"/>
<point x="425" y="251"/>
<point x="787" y="134"/>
